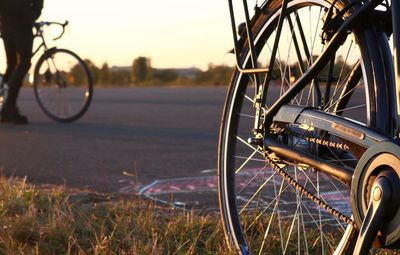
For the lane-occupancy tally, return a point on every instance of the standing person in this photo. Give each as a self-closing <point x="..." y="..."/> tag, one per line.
<point x="17" y="18"/>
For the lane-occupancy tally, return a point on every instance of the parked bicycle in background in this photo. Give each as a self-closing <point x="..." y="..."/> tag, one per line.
<point x="62" y="81"/>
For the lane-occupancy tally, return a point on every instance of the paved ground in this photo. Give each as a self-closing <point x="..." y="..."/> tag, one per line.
<point x="149" y="133"/>
<point x="160" y="142"/>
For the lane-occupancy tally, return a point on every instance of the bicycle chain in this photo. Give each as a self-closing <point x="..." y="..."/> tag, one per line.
<point x="319" y="141"/>
<point x="335" y="213"/>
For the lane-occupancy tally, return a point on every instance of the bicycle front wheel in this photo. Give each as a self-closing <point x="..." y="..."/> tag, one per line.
<point x="63" y="85"/>
<point x="262" y="212"/>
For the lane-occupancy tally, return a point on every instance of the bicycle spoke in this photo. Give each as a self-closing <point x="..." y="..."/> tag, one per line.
<point x="337" y="87"/>
<point x="351" y="108"/>
<point x="254" y="160"/>
<point x="245" y="162"/>
<point x="250" y="182"/>
<point x="346" y="94"/>
<point x="255" y="194"/>
<point x="271" y="218"/>
<point x="265" y="209"/>
<point x="247" y="115"/>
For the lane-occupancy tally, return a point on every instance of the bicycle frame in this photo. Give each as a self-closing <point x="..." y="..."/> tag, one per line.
<point x="39" y="33"/>
<point x="322" y="60"/>
<point x="331" y="49"/>
<point x="343" y="126"/>
<point x="43" y="44"/>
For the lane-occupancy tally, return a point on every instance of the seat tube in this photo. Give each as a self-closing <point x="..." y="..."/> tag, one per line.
<point x="396" y="54"/>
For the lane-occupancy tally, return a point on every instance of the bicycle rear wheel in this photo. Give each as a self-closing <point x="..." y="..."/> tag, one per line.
<point x="262" y="212"/>
<point x="63" y="85"/>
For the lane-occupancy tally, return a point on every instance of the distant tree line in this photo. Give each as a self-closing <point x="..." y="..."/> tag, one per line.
<point x="141" y="73"/>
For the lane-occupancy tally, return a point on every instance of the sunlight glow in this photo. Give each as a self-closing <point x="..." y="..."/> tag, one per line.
<point x="172" y="33"/>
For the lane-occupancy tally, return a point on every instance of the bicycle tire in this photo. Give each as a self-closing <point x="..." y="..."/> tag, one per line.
<point x="376" y="62"/>
<point x="63" y="85"/>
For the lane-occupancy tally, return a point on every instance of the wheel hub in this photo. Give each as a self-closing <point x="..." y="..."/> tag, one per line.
<point x="382" y="159"/>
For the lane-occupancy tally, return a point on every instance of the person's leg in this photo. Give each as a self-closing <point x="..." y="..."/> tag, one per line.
<point x="11" y="55"/>
<point x="23" y="41"/>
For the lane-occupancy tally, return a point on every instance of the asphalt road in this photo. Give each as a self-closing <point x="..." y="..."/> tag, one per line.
<point x="128" y="138"/>
<point x="157" y="142"/>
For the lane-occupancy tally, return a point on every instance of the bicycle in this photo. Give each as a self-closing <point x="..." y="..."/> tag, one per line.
<point x="62" y="82"/>
<point x="309" y="156"/>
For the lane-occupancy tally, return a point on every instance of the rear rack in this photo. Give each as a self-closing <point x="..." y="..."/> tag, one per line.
<point x="254" y="69"/>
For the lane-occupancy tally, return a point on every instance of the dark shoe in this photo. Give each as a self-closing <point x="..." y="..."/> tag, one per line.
<point x="11" y="115"/>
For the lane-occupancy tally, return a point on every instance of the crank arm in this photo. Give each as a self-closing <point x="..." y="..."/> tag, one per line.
<point x="381" y="196"/>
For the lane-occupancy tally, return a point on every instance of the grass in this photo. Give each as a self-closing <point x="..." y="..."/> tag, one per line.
<point x="55" y="220"/>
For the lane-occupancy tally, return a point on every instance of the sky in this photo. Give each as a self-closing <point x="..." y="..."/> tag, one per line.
<point x="173" y="33"/>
